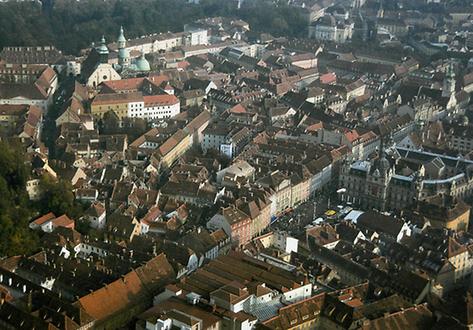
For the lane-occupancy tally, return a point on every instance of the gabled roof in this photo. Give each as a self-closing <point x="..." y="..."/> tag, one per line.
<point x="416" y="317"/>
<point x="114" y="297"/>
<point x="155" y="273"/>
<point x="45" y="218"/>
<point x="380" y="223"/>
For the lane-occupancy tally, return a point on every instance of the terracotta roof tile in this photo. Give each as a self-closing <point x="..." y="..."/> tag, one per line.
<point x="160" y="100"/>
<point x="117" y="98"/>
<point x="114" y="297"/>
<point x="45" y="218"/>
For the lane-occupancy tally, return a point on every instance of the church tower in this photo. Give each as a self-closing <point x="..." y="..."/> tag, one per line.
<point x="123" y="54"/>
<point x="103" y="51"/>
<point x="121" y="39"/>
<point x="449" y="82"/>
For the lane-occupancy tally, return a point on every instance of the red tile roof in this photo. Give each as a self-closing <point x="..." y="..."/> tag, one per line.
<point x="352" y="135"/>
<point x="45" y="218"/>
<point x="63" y="221"/>
<point x="160" y="100"/>
<point x="328" y="78"/>
<point x="129" y="290"/>
<point x="114" y="297"/>
<point x="238" y="109"/>
<point x="117" y="98"/>
<point x="158" y="79"/>
<point x="124" y="84"/>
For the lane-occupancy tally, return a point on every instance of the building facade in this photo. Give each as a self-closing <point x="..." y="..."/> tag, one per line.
<point x="328" y="28"/>
<point x="389" y="183"/>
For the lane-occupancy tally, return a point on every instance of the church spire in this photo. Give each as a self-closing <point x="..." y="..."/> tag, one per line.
<point x="123" y="54"/>
<point x="121" y="39"/>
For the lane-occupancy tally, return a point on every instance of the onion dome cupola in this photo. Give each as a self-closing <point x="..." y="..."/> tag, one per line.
<point x="142" y="63"/>
<point x="123" y="53"/>
<point x="103" y="51"/>
<point x="121" y="41"/>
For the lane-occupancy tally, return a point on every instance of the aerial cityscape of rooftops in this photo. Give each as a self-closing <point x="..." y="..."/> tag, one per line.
<point x="236" y="164"/>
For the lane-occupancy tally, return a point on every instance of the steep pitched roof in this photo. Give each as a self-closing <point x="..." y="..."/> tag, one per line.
<point x="114" y="297"/>
<point x="155" y="272"/>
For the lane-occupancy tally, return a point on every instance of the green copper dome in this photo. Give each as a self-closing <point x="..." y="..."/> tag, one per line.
<point x="123" y="53"/>
<point x="121" y="36"/>
<point x="142" y="63"/>
<point x="102" y="49"/>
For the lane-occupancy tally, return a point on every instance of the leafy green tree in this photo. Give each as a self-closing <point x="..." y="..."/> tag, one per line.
<point x="72" y="25"/>
<point x="15" y="209"/>
<point x="57" y="197"/>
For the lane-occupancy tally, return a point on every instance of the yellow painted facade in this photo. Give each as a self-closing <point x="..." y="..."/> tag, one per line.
<point x="176" y="152"/>
<point x="460" y="222"/>
<point x="120" y="109"/>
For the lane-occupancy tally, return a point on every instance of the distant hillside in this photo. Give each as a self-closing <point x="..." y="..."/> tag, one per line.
<point x="72" y="25"/>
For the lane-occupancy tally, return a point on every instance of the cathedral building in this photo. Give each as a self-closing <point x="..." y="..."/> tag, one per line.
<point x="102" y="70"/>
<point x="98" y="66"/>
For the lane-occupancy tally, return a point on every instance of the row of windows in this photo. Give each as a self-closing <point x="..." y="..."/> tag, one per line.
<point x="155" y="111"/>
<point x="160" y="107"/>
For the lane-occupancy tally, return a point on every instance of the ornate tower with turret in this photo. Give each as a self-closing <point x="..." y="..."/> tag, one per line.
<point x="103" y="51"/>
<point x="123" y="54"/>
<point x="449" y="82"/>
<point x="121" y="39"/>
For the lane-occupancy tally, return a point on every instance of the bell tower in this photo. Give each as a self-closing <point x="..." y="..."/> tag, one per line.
<point x="123" y="55"/>
<point x="103" y="51"/>
<point x="449" y="82"/>
<point x="121" y="39"/>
